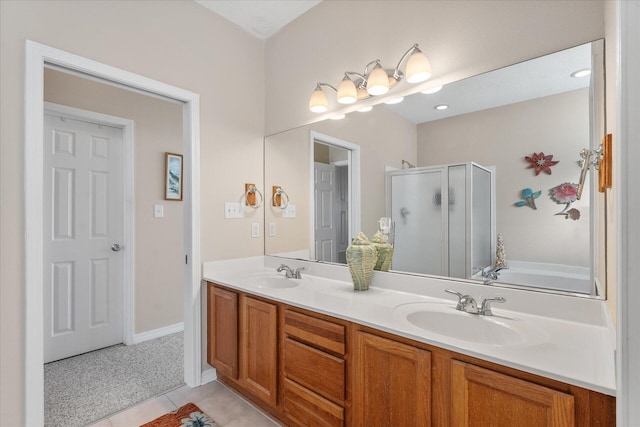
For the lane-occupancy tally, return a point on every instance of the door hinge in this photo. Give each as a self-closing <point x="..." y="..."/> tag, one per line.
<point x="186" y="259"/>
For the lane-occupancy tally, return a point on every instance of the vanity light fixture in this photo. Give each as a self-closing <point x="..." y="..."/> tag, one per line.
<point x="431" y="90"/>
<point x="441" y="107"/>
<point x="581" y="73"/>
<point x="395" y="101"/>
<point x="338" y="117"/>
<point x="365" y="109"/>
<point x="375" y="80"/>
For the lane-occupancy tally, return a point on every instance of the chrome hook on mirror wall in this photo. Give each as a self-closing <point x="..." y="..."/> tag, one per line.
<point x="250" y="191"/>
<point x="600" y="159"/>
<point x="279" y="199"/>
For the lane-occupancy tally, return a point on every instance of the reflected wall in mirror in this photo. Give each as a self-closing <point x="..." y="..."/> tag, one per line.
<point x="494" y="121"/>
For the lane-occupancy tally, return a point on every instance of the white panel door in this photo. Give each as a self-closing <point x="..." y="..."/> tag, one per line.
<point x="325" y="221"/>
<point x="83" y="220"/>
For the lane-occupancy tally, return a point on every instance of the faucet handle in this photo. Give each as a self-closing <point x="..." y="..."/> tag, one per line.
<point x="485" y="309"/>
<point x="297" y="272"/>
<point x="466" y="303"/>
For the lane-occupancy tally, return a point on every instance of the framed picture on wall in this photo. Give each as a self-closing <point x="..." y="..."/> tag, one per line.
<point x="173" y="177"/>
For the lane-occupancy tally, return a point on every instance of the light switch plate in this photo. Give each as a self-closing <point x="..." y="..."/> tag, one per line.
<point x="158" y="211"/>
<point x="272" y="229"/>
<point x="233" y="210"/>
<point x="289" y="211"/>
<point x="255" y="229"/>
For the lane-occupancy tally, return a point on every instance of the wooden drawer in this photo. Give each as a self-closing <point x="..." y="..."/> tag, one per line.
<point x="305" y="408"/>
<point x="321" y="333"/>
<point x="314" y="369"/>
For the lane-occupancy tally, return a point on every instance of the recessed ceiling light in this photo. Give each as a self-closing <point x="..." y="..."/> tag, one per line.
<point x="394" y="101"/>
<point x="431" y="90"/>
<point x="338" y="117"/>
<point x="365" y="109"/>
<point x="441" y="107"/>
<point x="581" y="73"/>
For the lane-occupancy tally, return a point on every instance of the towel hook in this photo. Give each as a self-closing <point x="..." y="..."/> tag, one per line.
<point x="277" y="199"/>
<point x="589" y="158"/>
<point x="250" y="196"/>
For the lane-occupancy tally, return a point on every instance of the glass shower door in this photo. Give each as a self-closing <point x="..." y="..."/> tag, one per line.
<point x="416" y="209"/>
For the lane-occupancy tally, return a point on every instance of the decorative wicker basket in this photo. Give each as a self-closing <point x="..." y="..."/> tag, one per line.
<point x="361" y="258"/>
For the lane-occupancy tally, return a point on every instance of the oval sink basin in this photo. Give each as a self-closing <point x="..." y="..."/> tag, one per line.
<point x="445" y="320"/>
<point x="270" y="281"/>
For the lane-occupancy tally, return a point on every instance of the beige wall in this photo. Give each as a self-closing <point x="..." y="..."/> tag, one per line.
<point x="502" y="137"/>
<point x="158" y="241"/>
<point x="385" y="139"/>
<point x="176" y="42"/>
<point x="461" y="39"/>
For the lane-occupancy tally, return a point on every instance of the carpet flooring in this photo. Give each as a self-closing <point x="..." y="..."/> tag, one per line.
<point x="85" y="388"/>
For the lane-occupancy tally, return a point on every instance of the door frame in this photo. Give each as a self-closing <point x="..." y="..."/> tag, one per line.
<point x="128" y="204"/>
<point x="353" y="186"/>
<point x="37" y="56"/>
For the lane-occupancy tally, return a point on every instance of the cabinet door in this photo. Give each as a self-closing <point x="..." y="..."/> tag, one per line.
<point x="481" y="397"/>
<point x="259" y="344"/>
<point x="391" y="383"/>
<point x="222" y="334"/>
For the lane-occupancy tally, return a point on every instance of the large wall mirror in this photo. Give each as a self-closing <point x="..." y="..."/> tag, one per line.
<point x="502" y="160"/>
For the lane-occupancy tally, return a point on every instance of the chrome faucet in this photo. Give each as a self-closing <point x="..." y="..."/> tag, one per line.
<point x="467" y="304"/>
<point x="491" y="273"/>
<point x="289" y="272"/>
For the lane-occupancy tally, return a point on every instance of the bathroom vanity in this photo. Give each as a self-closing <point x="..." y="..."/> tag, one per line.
<point x="311" y="351"/>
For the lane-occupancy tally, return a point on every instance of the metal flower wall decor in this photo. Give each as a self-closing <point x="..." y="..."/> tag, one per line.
<point x="541" y="162"/>
<point x="528" y="198"/>
<point x="566" y="194"/>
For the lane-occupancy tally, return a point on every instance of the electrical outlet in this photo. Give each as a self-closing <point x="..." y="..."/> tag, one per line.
<point x="255" y="229"/>
<point x="272" y="229"/>
<point x="233" y="210"/>
<point x="289" y="211"/>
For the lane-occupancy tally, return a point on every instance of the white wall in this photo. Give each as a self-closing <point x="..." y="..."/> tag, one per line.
<point x="177" y="42"/>
<point x="159" y="251"/>
<point x="502" y="137"/>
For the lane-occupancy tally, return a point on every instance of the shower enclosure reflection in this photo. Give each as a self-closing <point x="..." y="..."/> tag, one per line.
<point x="443" y="217"/>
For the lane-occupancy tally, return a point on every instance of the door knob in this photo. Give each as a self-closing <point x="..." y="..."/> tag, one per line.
<point x="115" y="247"/>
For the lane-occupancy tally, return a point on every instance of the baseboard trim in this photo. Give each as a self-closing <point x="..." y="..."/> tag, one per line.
<point x="157" y="333"/>
<point x="209" y="375"/>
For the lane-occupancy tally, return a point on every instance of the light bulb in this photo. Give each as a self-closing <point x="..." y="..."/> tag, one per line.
<point x="431" y="90"/>
<point x="378" y="81"/>
<point x="418" y="67"/>
<point x="318" y="103"/>
<point x="347" y="92"/>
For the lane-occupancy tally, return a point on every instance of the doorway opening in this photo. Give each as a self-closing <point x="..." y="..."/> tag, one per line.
<point x="37" y="57"/>
<point x="335" y="184"/>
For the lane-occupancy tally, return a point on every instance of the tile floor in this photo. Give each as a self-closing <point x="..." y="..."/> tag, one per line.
<point x="216" y="400"/>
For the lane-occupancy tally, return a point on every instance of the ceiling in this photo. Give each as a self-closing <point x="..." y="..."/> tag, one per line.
<point x="262" y="18"/>
<point x="536" y="78"/>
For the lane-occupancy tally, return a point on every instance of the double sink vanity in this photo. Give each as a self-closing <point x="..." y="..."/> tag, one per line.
<point x="312" y="351"/>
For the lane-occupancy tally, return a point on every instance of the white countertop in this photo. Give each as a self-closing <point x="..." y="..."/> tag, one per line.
<point x="574" y="342"/>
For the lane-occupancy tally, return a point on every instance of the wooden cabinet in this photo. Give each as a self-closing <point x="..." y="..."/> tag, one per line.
<point x="242" y="341"/>
<point x="259" y="348"/>
<point x="483" y="397"/>
<point x="313" y="370"/>
<point x="391" y="383"/>
<point x="222" y="324"/>
<point x="309" y="369"/>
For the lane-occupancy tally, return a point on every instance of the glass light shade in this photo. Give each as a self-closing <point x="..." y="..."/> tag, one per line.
<point x="378" y="81"/>
<point x="347" y="92"/>
<point x="363" y="94"/>
<point x="394" y="100"/>
<point x="418" y="68"/>
<point x="392" y="82"/>
<point x="431" y="90"/>
<point x="318" y="103"/>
